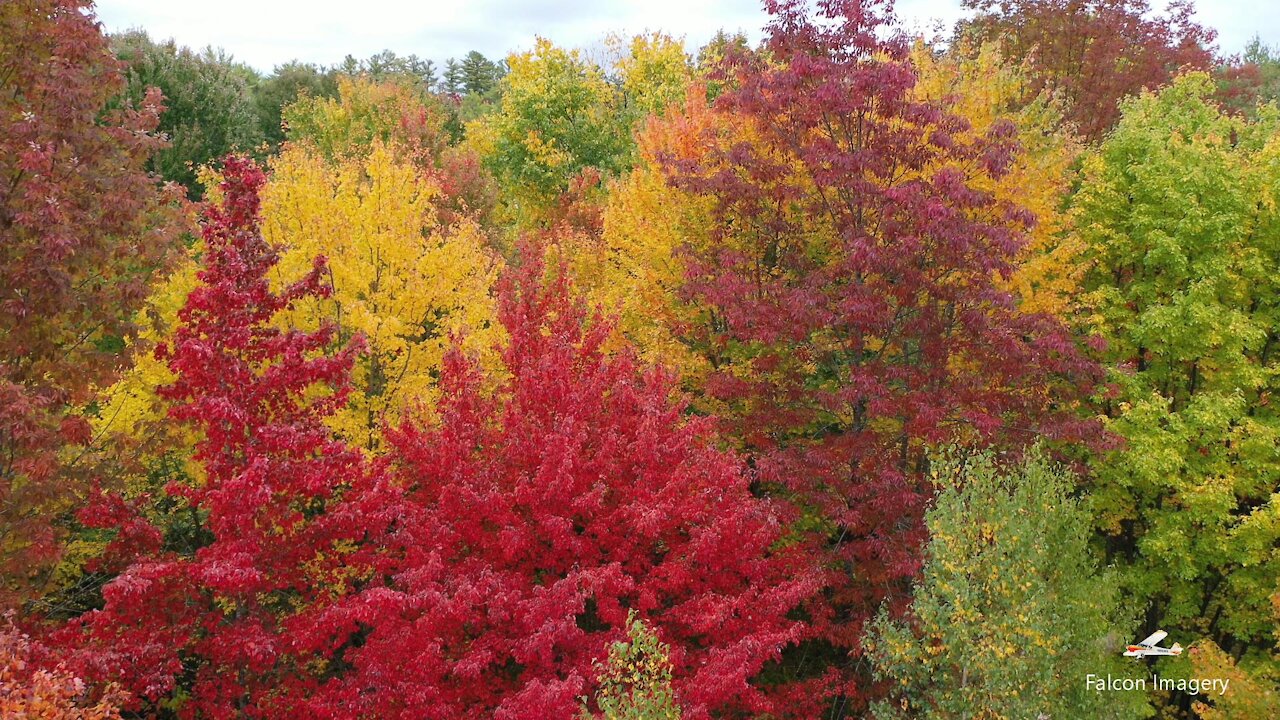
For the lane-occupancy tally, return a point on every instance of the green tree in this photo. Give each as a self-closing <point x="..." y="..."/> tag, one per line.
<point x="1010" y="613"/>
<point x="451" y="82"/>
<point x="387" y="63"/>
<point x="479" y="74"/>
<point x="209" y="109"/>
<point x="635" y="682"/>
<point x="557" y="116"/>
<point x="1178" y="213"/>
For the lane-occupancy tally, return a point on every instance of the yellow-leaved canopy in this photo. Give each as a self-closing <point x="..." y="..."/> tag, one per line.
<point x="983" y="87"/>
<point x="635" y="268"/>
<point x="407" y="282"/>
<point x="409" y="266"/>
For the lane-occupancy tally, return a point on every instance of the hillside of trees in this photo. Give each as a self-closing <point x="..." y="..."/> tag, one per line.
<point x="849" y="374"/>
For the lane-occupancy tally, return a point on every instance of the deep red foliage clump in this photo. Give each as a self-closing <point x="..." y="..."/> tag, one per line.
<point x="476" y="572"/>
<point x="536" y="517"/>
<point x="233" y="625"/>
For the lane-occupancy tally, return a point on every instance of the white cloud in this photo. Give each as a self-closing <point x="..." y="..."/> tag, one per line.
<point x="265" y="33"/>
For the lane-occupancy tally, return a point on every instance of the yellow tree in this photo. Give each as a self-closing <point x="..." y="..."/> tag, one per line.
<point x="399" y="276"/>
<point x="984" y="87"/>
<point x="402" y="278"/>
<point x="1254" y="690"/>
<point x="363" y="181"/>
<point x="654" y="73"/>
<point x="635" y="268"/>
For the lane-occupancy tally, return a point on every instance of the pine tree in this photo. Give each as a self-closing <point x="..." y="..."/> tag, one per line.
<point x="478" y="73"/>
<point x="453" y="82"/>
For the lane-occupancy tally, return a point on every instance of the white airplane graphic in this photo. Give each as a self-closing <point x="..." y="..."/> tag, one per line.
<point x="1150" y="647"/>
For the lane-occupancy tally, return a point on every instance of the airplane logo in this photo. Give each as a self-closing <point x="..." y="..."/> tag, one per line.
<point x="1151" y="647"/>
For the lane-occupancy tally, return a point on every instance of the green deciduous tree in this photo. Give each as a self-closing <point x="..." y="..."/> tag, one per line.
<point x="557" y="116"/>
<point x="1178" y="214"/>
<point x="1010" y="612"/>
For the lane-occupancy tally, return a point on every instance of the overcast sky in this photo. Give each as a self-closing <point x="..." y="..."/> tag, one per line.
<point x="265" y="33"/>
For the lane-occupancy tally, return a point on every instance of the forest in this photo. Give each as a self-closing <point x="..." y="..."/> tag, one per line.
<point x="851" y="373"/>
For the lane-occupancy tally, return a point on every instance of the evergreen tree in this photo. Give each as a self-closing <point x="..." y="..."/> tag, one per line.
<point x="452" y="83"/>
<point x="479" y="74"/>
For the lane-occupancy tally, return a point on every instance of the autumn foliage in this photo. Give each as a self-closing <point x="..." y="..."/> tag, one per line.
<point x="321" y="576"/>
<point x="847" y="374"/>
<point x="1095" y="52"/>
<point x="539" y="517"/>
<point x="28" y="690"/>
<point x="226" y="625"/>
<point x="83" y="230"/>
<point x="847" y="297"/>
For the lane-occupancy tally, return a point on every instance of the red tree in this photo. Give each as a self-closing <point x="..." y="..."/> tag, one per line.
<point x="484" y="577"/>
<point x="83" y="228"/>
<point x="849" y="305"/>
<point x="534" y="519"/>
<point x="1095" y="52"/>
<point x="235" y="625"/>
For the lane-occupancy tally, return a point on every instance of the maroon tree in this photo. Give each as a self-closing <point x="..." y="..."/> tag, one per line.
<point x="849" y="306"/>
<point x="83" y="229"/>
<point x="1095" y="52"/>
